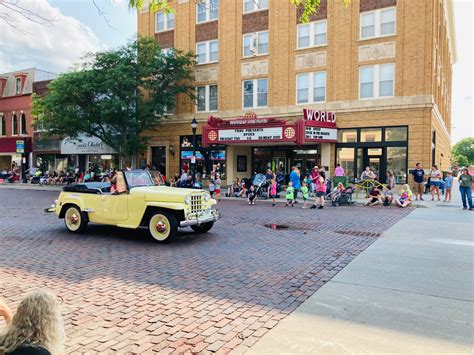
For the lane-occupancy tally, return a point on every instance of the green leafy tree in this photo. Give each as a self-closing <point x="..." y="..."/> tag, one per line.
<point x="463" y="152"/>
<point x="102" y="99"/>
<point x="308" y="7"/>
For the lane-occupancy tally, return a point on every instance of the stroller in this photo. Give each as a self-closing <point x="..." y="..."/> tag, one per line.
<point x="259" y="181"/>
<point x="342" y="198"/>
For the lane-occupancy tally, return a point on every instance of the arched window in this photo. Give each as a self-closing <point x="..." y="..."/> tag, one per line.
<point x="3" y="125"/>
<point x="14" y="125"/>
<point x="23" y="124"/>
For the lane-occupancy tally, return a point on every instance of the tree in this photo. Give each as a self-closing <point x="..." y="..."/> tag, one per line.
<point x="463" y="152"/>
<point x="11" y="8"/>
<point x="102" y="98"/>
<point x="309" y="7"/>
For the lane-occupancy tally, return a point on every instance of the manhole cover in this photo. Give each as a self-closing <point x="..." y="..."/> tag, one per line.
<point x="276" y="226"/>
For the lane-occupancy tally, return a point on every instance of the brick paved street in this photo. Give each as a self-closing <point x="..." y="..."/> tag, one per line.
<point x="216" y="292"/>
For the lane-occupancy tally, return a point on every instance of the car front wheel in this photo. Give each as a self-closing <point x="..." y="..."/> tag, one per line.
<point x="203" y="228"/>
<point x="75" y="220"/>
<point x="163" y="226"/>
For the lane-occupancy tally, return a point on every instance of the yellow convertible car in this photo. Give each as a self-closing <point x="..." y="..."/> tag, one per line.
<point x="132" y="201"/>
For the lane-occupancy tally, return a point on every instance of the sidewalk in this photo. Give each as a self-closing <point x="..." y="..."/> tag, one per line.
<point x="412" y="291"/>
<point x="360" y="201"/>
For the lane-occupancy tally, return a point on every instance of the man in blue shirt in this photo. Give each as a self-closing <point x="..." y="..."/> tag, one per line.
<point x="419" y="177"/>
<point x="295" y="179"/>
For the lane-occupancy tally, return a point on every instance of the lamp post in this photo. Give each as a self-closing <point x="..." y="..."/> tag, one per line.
<point x="194" y="125"/>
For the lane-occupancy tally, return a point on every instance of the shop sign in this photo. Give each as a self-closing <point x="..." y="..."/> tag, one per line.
<point x="324" y="118"/>
<point x="85" y="145"/>
<point x="20" y="147"/>
<point x="320" y="133"/>
<point x="250" y="134"/>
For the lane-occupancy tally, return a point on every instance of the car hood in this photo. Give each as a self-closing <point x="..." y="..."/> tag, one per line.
<point x="165" y="193"/>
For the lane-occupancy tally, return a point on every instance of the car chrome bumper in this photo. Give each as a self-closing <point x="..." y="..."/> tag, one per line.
<point x="193" y="221"/>
<point x="51" y="209"/>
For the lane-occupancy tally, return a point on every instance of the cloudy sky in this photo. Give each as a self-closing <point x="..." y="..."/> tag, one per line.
<point x="77" y="27"/>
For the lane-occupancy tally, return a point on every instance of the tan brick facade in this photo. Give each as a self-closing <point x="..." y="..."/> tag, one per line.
<point x="422" y="49"/>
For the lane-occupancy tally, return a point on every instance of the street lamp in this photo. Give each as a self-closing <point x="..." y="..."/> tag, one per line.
<point x="194" y="125"/>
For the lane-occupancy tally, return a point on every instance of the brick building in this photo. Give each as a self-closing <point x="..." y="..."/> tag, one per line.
<point x="16" y="90"/>
<point x="381" y="69"/>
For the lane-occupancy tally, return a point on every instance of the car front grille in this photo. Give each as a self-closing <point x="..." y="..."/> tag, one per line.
<point x="196" y="203"/>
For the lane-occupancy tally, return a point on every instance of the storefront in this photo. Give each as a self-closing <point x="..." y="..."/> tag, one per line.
<point x="86" y="152"/>
<point x="207" y="159"/>
<point x="8" y="152"/>
<point x="255" y="144"/>
<point x="383" y="149"/>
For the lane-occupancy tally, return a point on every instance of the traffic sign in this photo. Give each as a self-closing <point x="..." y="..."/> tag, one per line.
<point x="20" y="147"/>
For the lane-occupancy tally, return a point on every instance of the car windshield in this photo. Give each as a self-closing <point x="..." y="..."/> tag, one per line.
<point x="138" y="178"/>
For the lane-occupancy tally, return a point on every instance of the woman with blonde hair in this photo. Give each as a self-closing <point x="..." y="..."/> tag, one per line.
<point x="36" y="328"/>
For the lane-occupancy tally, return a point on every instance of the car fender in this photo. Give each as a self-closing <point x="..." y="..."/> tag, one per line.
<point x="74" y="199"/>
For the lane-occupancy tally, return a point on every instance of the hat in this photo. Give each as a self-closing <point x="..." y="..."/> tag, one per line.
<point x="316" y="167"/>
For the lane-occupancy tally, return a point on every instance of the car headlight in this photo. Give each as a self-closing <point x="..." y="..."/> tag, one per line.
<point x="207" y="197"/>
<point x="187" y="200"/>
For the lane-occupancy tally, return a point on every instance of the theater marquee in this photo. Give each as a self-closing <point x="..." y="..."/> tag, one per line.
<point x="316" y="126"/>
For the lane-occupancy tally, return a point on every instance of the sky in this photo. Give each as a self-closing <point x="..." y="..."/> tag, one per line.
<point x="78" y="27"/>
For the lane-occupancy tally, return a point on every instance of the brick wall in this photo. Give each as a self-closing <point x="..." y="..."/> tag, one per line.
<point x="207" y="31"/>
<point x="255" y="21"/>
<point x="165" y="39"/>
<point x="368" y="5"/>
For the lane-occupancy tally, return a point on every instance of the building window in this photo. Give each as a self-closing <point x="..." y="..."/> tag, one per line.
<point x="2" y="125"/>
<point x="164" y="22"/>
<point x="347" y="135"/>
<point x="18" y="86"/>
<point x="207" y="98"/>
<point x="345" y="157"/>
<point x="255" y="5"/>
<point x="316" y="81"/>
<point x="371" y="135"/>
<point x="255" y="93"/>
<point x="207" y="159"/>
<point x="14" y="125"/>
<point x="255" y="43"/>
<point x="207" y="10"/>
<point x="312" y="34"/>
<point x="376" y="81"/>
<point x="397" y="163"/>
<point x="396" y="134"/>
<point x="23" y="124"/>
<point x="207" y="52"/>
<point x="378" y="23"/>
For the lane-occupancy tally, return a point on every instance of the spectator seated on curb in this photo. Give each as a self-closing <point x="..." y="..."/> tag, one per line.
<point x="375" y="197"/>
<point x="405" y="196"/>
<point x="35" y="329"/>
<point x="387" y="196"/>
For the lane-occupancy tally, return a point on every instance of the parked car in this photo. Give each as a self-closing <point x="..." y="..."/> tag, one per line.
<point x="133" y="200"/>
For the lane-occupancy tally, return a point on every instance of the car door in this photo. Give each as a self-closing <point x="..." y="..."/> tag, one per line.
<point x="114" y="207"/>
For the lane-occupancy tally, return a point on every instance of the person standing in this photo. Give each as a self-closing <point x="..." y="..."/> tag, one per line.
<point x="419" y="178"/>
<point x="295" y="181"/>
<point x="448" y="181"/>
<point x="290" y="195"/>
<point x="314" y="176"/>
<point x="339" y="171"/>
<point x="320" y="192"/>
<point x="435" y="178"/>
<point x="465" y="182"/>
<point x="273" y="191"/>
<point x="217" y="183"/>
